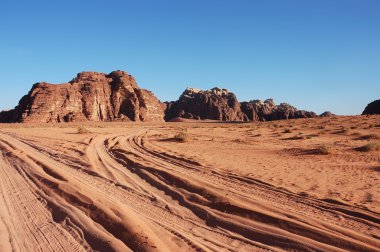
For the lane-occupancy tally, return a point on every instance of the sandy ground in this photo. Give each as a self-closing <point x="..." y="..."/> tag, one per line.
<point x="297" y="185"/>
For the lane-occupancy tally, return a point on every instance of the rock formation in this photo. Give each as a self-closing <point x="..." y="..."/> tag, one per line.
<point x="213" y="104"/>
<point x="326" y="114"/>
<point x="372" y="108"/>
<point x="93" y="96"/>
<point x="257" y="110"/>
<point x="90" y="96"/>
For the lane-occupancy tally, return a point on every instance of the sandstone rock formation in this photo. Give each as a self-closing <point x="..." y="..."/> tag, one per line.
<point x="372" y="108"/>
<point x="213" y="104"/>
<point x="326" y="114"/>
<point x="257" y="110"/>
<point x="90" y="96"/>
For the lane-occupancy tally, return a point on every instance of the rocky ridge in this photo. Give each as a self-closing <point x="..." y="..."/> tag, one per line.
<point x="257" y="110"/>
<point x="214" y="104"/>
<point x="93" y="96"/>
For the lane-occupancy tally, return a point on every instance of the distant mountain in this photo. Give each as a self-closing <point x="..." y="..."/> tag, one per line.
<point x="267" y="110"/>
<point x="214" y="104"/>
<point x="93" y="96"/>
<point x="221" y="104"/>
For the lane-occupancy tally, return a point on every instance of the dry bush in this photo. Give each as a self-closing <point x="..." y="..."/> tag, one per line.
<point x="374" y="146"/>
<point x="343" y="130"/>
<point x="299" y="137"/>
<point x="367" y="137"/>
<point x="82" y="130"/>
<point x="287" y="131"/>
<point x="324" y="149"/>
<point x="182" y="137"/>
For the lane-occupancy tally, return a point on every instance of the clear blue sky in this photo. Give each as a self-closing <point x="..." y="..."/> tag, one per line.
<point x="316" y="54"/>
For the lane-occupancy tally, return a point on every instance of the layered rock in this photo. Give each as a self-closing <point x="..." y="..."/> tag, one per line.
<point x="372" y="108"/>
<point x="214" y="104"/>
<point x="90" y="96"/>
<point x="257" y="110"/>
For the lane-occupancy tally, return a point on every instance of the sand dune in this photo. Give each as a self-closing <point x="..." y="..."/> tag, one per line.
<point x="230" y="187"/>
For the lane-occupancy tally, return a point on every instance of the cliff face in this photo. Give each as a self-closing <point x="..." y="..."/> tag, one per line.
<point x="257" y="110"/>
<point x="90" y="96"/>
<point x="213" y="104"/>
<point x="372" y="108"/>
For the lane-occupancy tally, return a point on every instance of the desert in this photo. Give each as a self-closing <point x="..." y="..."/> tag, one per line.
<point x="190" y="126"/>
<point x="295" y="185"/>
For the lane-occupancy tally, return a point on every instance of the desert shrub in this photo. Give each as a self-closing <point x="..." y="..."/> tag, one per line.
<point x="182" y="137"/>
<point x="299" y="137"/>
<point x="343" y="130"/>
<point x="82" y="130"/>
<point x="374" y="146"/>
<point x="367" y="137"/>
<point x="324" y="149"/>
<point x="287" y="131"/>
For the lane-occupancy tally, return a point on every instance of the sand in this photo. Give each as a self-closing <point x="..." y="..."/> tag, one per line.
<point x="296" y="185"/>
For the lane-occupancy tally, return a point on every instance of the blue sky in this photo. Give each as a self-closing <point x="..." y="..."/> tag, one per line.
<point x="316" y="55"/>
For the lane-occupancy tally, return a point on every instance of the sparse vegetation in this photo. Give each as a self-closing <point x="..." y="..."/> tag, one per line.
<point x="182" y="136"/>
<point x="374" y="146"/>
<point x="324" y="149"/>
<point x="299" y="137"/>
<point x="369" y="136"/>
<point x="287" y="131"/>
<point x="82" y="130"/>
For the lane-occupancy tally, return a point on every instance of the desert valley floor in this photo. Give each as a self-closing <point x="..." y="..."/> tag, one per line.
<point x="295" y="185"/>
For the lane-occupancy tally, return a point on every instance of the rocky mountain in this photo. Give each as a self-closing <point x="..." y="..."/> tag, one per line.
<point x="213" y="104"/>
<point x="372" y="108"/>
<point x="267" y="110"/>
<point x="91" y="96"/>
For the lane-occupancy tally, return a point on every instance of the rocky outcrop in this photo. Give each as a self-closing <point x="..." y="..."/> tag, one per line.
<point x="91" y="96"/>
<point x="267" y="110"/>
<point x="326" y="114"/>
<point x="372" y="108"/>
<point x="214" y="104"/>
